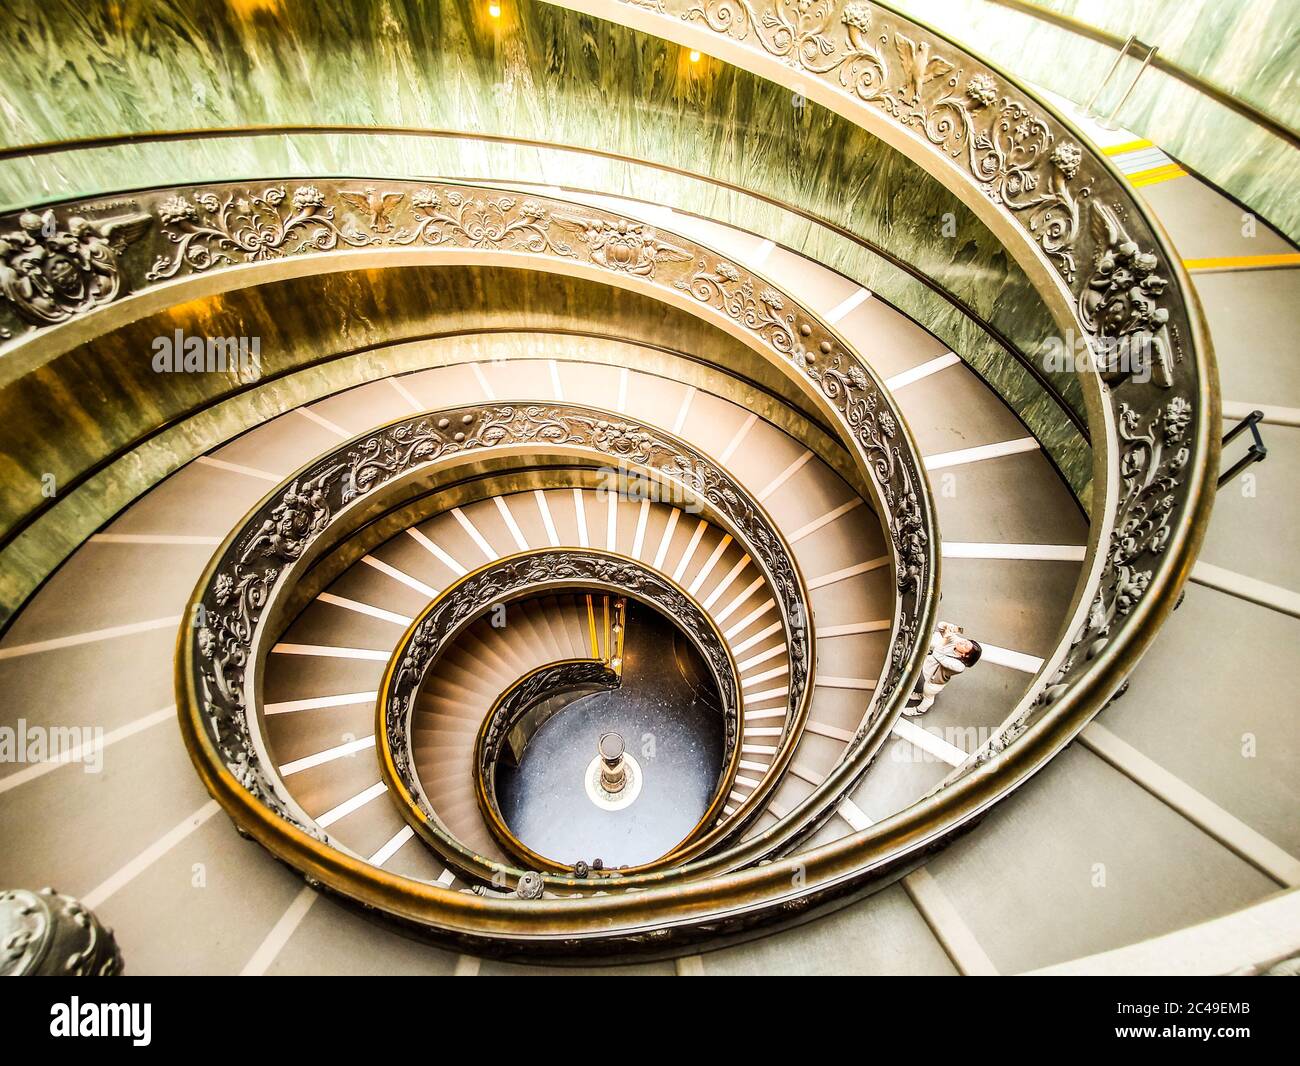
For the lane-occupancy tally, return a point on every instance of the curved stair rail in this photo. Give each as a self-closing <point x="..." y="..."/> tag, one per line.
<point x="1099" y="260"/>
<point x="530" y="701"/>
<point x="219" y="660"/>
<point x="511" y="578"/>
<point x="448" y="220"/>
<point x="231" y="236"/>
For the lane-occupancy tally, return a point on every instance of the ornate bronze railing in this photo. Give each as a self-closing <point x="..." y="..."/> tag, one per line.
<point x="206" y="240"/>
<point x="454" y="218"/>
<point x="220" y="660"/>
<point x="511" y="578"/>
<point x="780" y="333"/>
<point x="524" y="707"/>
<point x="1100" y="262"/>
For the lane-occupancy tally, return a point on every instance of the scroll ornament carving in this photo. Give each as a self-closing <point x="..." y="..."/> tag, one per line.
<point x="1119" y="304"/>
<point x="452" y="217"/>
<point x="1020" y="157"/>
<point x="232" y="606"/>
<point x="272" y="224"/>
<point x="1007" y="147"/>
<point x="213" y="231"/>
<point x="51" y="272"/>
<point x="846" y="385"/>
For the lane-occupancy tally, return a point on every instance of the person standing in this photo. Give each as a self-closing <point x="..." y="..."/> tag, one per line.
<point x="951" y="653"/>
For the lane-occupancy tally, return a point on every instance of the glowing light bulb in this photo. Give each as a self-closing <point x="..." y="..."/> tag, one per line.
<point x="494" y="10"/>
<point x="694" y="56"/>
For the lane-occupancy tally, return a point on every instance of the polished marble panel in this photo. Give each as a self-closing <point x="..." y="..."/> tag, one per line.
<point x="1250" y="50"/>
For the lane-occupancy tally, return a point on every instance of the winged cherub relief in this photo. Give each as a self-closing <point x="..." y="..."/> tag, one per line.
<point x="50" y="273"/>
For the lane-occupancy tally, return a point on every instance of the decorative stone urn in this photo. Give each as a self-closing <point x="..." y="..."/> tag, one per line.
<point x="44" y="934"/>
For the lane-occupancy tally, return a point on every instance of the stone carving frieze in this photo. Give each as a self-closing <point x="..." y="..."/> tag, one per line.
<point x="1021" y="158"/>
<point x="210" y="230"/>
<point x="232" y="606"/>
<point x="1121" y="303"/>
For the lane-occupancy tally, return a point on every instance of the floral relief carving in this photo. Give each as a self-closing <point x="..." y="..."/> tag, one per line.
<point x="1012" y="150"/>
<point x="212" y="231"/>
<point x="1119" y="302"/>
<point x="1154" y="455"/>
<point x="1009" y="148"/>
<point x="866" y="416"/>
<point x="624" y="245"/>
<point x="763" y="312"/>
<point x="453" y="217"/>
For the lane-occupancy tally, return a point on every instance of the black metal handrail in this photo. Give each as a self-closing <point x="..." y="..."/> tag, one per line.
<point x="1256" y="453"/>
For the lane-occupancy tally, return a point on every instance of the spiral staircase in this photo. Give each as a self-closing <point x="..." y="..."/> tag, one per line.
<point x="506" y="422"/>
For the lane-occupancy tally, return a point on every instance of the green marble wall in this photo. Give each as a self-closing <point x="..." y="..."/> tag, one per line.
<point x="1252" y="50"/>
<point x="644" y="124"/>
<point x="469" y="158"/>
<point x="543" y="74"/>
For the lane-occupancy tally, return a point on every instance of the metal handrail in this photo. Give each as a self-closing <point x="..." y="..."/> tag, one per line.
<point x="1166" y="434"/>
<point x="437" y="626"/>
<point x="243" y="587"/>
<point x="1108" y="122"/>
<point x="1256" y="453"/>
<point x="1166" y="66"/>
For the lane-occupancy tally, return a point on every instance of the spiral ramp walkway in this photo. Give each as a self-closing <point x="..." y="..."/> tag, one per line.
<point x="1160" y="835"/>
